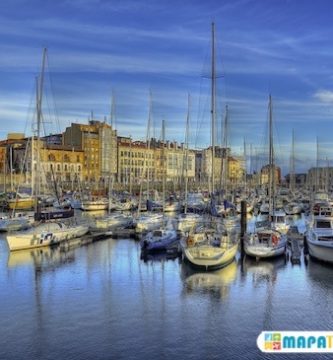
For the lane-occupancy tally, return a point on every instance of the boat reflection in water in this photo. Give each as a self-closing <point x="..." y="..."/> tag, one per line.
<point x="42" y="259"/>
<point x="158" y="256"/>
<point x="264" y="275"/>
<point x="263" y="270"/>
<point x="216" y="282"/>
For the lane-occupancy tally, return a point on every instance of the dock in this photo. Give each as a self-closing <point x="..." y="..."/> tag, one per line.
<point x="85" y="240"/>
<point x="296" y="251"/>
<point x="295" y="240"/>
<point x="123" y="233"/>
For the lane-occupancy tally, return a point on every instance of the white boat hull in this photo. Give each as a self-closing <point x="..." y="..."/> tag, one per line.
<point x="320" y="251"/>
<point x="263" y="252"/>
<point x="95" y="205"/>
<point x="210" y="257"/>
<point x="14" y="224"/>
<point x="46" y="235"/>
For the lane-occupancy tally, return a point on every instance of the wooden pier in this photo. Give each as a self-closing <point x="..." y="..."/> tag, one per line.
<point x="97" y="236"/>
<point x="296" y="252"/>
<point x="123" y="233"/>
<point x="85" y="240"/>
<point x="295" y="240"/>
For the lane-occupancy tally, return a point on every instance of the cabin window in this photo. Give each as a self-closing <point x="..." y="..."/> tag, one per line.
<point x="323" y="224"/>
<point x="325" y="238"/>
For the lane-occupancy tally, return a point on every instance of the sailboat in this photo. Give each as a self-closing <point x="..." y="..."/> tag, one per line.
<point x="43" y="233"/>
<point x="17" y="201"/>
<point x="266" y="240"/>
<point x="21" y="201"/>
<point x="151" y="220"/>
<point x="187" y="221"/>
<point x="16" y="221"/>
<point x="212" y="246"/>
<point x="161" y="239"/>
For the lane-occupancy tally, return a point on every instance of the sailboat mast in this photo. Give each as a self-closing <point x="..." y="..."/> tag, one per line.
<point x="213" y="108"/>
<point x="39" y="103"/>
<point x="271" y="173"/>
<point x="224" y="160"/>
<point x="292" y="163"/>
<point x="163" y="165"/>
<point x="186" y="149"/>
<point x="317" y="167"/>
<point x="148" y="141"/>
<point x="245" y="166"/>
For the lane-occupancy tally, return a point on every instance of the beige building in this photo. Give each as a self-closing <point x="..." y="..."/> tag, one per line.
<point x="98" y="141"/>
<point x="234" y="172"/>
<point x="138" y="161"/>
<point x="264" y="175"/>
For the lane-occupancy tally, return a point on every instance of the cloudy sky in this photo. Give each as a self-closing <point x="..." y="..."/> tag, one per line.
<point x="128" y="47"/>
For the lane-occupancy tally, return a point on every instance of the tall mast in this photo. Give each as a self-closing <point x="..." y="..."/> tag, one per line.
<point x="163" y="165"/>
<point x="245" y="165"/>
<point x="292" y="163"/>
<point x="39" y="104"/>
<point x="271" y="173"/>
<point x="148" y="140"/>
<point x="213" y="107"/>
<point x="186" y="149"/>
<point x="145" y="157"/>
<point x="224" y="160"/>
<point x="317" y="167"/>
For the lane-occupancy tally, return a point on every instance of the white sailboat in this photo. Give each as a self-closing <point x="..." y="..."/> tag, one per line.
<point x="112" y="221"/>
<point x="95" y="204"/>
<point x="212" y="247"/>
<point x="16" y="221"/>
<point x="266" y="240"/>
<point x="43" y="233"/>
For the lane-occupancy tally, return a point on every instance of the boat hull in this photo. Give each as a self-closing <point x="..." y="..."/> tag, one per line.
<point x="21" y="204"/>
<point x="323" y="252"/>
<point x="210" y="258"/>
<point x="44" y="236"/>
<point x="14" y="224"/>
<point x="264" y="251"/>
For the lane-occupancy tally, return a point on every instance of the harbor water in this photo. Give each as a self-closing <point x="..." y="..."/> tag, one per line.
<point x="104" y="301"/>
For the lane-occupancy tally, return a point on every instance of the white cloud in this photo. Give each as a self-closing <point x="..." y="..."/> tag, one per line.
<point x="325" y="96"/>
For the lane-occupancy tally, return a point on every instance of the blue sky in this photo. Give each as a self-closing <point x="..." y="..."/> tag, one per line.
<point x="131" y="47"/>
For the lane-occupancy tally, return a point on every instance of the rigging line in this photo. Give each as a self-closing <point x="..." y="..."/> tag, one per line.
<point x="55" y="108"/>
<point x="31" y="110"/>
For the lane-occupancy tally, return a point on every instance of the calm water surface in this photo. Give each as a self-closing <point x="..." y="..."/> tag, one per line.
<point x="102" y="301"/>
